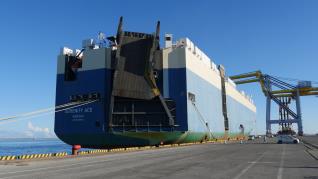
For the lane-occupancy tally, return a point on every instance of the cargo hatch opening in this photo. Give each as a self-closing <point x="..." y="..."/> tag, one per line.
<point x="135" y="81"/>
<point x="73" y="61"/>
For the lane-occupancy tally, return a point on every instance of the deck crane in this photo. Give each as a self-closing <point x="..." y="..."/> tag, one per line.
<point x="282" y="93"/>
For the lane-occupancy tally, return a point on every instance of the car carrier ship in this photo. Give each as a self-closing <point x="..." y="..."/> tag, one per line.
<point x="146" y="95"/>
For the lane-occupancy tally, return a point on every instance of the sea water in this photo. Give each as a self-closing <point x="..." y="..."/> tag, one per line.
<point x="32" y="146"/>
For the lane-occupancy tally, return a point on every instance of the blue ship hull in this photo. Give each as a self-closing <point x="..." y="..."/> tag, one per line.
<point x="78" y="126"/>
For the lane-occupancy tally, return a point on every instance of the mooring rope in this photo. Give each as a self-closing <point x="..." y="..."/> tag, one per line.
<point x="203" y="121"/>
<point x="46" y="111"/>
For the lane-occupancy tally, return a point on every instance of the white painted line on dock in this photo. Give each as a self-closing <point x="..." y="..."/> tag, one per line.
<point x="281" y="165"/>
<point x="249" y="166"/>
<point x="262" y="162"/>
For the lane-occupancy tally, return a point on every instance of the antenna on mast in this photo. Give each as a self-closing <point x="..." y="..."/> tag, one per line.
<point x="101" y="38"/>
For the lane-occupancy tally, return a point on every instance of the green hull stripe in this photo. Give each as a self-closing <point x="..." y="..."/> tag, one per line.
<point x="128" y="139"/>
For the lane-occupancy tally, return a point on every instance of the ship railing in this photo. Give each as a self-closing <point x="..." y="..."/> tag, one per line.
<point x="142" y="127"/>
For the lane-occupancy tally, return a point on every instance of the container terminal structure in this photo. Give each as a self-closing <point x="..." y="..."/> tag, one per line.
<point x="283" y="94"/>
<point x="147" y="95"/>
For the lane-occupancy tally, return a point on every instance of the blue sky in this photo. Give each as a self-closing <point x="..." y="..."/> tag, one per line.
<point x="279" y="37"/>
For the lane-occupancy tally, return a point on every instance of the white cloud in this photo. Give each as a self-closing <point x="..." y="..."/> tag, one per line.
<point x="36" y="131"/>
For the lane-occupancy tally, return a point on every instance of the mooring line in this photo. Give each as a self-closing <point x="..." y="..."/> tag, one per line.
<point x="43" y="112"/>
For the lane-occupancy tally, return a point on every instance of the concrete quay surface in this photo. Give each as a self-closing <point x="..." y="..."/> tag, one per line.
<point x="311" y="139"/>
<point x="252" y="159"/>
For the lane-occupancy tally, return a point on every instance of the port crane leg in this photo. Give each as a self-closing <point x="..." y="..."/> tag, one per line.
<point x="299" y="120"/>
<point x="268" y="116"/>
<point x="282" y="95"/>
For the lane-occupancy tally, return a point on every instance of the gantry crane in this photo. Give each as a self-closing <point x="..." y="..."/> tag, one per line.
<point x="282" y="93"/>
